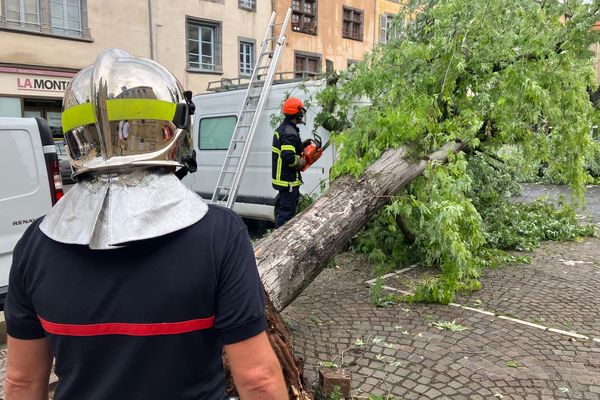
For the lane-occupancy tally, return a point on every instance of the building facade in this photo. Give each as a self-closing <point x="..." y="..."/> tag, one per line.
<point x="386" y="11"/>
<point x="43" y="43"/>
<point x="340" y="31"/>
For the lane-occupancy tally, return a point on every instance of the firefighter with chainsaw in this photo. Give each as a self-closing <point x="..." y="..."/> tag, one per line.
<point x="288" y="161"/>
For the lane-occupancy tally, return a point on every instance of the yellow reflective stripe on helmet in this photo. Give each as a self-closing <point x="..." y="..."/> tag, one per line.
<point x="119" y="109"/>
<point x="79" y="115"/>
<point x="288" y="147"/>
<point x="125" y="109"/>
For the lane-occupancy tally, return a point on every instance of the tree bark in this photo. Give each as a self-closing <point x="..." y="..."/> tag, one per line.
<point x="290" y="258"/>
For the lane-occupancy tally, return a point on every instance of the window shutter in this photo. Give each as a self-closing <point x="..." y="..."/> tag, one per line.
<point x="383" y="28"/>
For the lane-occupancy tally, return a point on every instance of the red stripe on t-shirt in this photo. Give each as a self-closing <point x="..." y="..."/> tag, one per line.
<point x="120" y="328"/>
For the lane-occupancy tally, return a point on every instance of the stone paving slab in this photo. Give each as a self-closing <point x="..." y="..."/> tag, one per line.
<point x="558" y="289"/>
<point x="398" y="351"/>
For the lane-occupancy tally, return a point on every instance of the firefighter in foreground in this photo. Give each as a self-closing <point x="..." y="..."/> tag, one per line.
<point x="131" y="281"/>
<point x="287" y="161"/>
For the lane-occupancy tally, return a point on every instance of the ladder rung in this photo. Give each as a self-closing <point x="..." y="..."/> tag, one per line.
<point x="263" y="67"/>
<point x="247" y="111"/>
<point x="244" y="126"/>
<point x="224" y="188"/>
<point x="267" y="53"/>
<point x="239" y="140"/>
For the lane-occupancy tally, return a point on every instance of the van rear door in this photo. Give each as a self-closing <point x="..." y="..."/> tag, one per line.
<point x="25" y="193"/>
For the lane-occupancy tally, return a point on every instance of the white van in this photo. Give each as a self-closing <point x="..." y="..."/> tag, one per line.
<point x="30" y="184"/>
<point x="214" y="122"/>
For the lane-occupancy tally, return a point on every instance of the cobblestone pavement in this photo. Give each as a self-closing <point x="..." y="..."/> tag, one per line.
<point x="399" y="351"/>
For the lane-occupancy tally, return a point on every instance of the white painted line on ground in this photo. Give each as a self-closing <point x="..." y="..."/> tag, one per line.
<point x="576" y="335"/>
<point x="523" y="322"/>
<point x="395" y="273"/>
<point x="568" y="333"/>
<point x="397" y="290"/>
<point x="479" y="310"/>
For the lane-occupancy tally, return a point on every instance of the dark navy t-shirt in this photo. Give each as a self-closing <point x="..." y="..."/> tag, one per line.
<point x="146" y="321"/>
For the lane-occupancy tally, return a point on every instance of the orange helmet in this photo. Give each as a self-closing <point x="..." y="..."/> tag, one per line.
<point x="293" y="106"/>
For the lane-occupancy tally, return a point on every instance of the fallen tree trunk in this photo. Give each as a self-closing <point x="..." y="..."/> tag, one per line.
<point x="294" y="254"/>
<point x="291" y="257"/>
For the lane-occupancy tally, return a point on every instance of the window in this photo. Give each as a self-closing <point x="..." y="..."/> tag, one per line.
<point x="352" y="25"/>
<point x="215" y="133"/>
<point x="246" y="57"/>
<point x="23" y="14"/>
<point x="389" y="28"/>
<point x="247" y="4"/>
<point x="65" y="17"/>
<point x="304" y="16"/>
<point x="306" y="65"/>
<point x="204" y="45"/>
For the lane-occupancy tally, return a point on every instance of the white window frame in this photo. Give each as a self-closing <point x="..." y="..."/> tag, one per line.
<point x="21" y="21"/>
<point x="214" y="65"/>
<point x="64" y="29"/>
<point x="246" y="57"/>
<point x="387" y="30"/>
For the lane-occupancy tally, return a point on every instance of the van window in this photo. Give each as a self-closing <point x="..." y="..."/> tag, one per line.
<point x="215" y="132"/>
<point x="18" y="158"/>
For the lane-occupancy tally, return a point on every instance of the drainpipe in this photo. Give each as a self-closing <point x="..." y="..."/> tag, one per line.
<point x="151" y="30"/>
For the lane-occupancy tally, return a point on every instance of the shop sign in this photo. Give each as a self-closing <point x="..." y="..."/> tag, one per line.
<point x="42" y="84"/>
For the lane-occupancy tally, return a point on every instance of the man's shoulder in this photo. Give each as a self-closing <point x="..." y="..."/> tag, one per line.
<point x="286" y="128"/>
<point x="289" y="129"/>
<point x="32" y="234"/>
<point x="222" y="218"/>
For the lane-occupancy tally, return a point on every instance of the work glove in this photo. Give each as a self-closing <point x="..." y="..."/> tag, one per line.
<point x="301" y="163"/>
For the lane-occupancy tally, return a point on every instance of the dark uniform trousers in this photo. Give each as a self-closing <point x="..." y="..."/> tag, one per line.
<point x="287" y="149"/>
<point x="285" y="205"/>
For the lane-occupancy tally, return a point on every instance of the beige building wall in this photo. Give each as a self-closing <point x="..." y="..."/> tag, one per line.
<point x="328" y="43"/>
<point x="171" y="42"/>
<point x="112" y="23"/>
<point x="38" y="64"/>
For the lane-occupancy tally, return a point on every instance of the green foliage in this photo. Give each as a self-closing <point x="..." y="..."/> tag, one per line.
<point x="462" y="221"/>
<point x="524" y="226"/>
<point x="381" y="299"/>
<point x="336" y="394"/>
<point x="510" y="78"/>
<point x="304" y="202"/>
<point x="491" y="73"/>
<point x="451" y="326"/>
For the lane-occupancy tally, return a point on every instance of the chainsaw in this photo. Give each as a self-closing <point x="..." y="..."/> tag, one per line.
<point x="312" y="150"/>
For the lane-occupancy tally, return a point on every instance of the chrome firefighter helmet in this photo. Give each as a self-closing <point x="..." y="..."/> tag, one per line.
<point x="123" y="112"/>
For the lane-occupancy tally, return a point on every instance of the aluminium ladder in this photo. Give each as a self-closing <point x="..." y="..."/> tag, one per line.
<point x="250" y="113"/>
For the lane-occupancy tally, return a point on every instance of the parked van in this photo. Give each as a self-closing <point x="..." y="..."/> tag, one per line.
<point x="215" y="119"/>
<point x="30" y="184"/>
